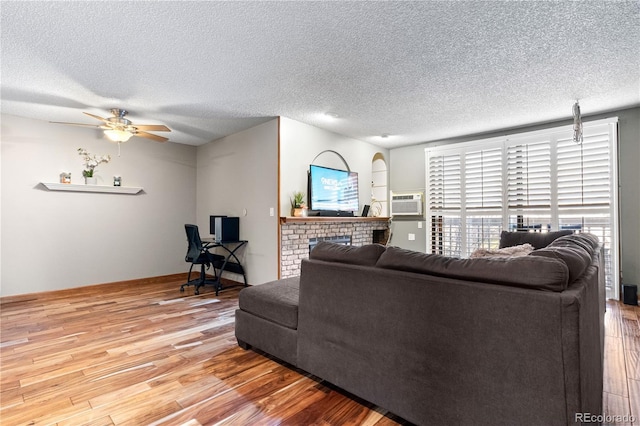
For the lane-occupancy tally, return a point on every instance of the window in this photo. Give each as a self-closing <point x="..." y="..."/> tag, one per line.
<point x="536" y="182"/>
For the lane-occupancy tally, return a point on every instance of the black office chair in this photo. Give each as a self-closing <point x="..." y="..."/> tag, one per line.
<point x="198" y="254"/>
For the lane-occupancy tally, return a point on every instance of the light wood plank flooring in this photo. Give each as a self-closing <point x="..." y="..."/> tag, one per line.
<point x="144" y="353"/>
<point x="621" y="395"/>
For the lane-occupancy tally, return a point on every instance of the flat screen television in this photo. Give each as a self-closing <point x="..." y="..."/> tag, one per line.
<point x="332" y="189"/>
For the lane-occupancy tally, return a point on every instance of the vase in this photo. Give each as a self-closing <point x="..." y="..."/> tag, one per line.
<point x="90" y="180"/>
<point x="299" y="212"/>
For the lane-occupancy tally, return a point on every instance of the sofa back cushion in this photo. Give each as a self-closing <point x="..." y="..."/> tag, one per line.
<point x="544" y="273"/>
<point x="587" y="241"/>
<point x="574" y="250"/>
<point x="366" y="255"/>
<point x="576" y="258"/>
<point x="537" y="239"/>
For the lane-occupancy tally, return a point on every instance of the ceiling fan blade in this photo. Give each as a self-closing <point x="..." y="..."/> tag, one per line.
<point x="152" y="127"/>
<point x="75" y="124"/>
<point x="151" y="136"/>
<point x="96" y="117"/>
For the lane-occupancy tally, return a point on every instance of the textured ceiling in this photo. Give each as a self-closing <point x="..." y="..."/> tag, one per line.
<point x="418" y="71"/>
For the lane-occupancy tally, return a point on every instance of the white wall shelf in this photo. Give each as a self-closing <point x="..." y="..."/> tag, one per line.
<point x="92" y="188"/>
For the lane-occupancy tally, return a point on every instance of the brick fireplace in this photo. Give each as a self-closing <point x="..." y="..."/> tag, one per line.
<point x="297" y="233"/>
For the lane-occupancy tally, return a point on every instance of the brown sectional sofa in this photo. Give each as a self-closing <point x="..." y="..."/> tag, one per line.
<point x="438" y="340"/>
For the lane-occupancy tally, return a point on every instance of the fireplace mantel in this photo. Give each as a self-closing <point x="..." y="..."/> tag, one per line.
<point x="324" y="219"/>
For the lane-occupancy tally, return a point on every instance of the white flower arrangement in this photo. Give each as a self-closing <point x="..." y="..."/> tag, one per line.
<point x="91" y="161"/>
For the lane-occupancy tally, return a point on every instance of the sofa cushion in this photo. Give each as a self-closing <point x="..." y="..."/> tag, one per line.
<point x="275" y="301"/>
<point x="576" y="258"/>
<point x="537" y="239"/>
<point x="587" y="241"/>
<point x="527" y="271"/>
<point x="366" y="255"/>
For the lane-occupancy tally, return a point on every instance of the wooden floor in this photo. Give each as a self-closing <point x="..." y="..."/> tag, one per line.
<point x="148" y="354"/>
<point x="622" y="363"/>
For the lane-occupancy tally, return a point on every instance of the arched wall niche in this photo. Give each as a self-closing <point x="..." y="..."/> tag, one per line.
<point x="379" y="186"/>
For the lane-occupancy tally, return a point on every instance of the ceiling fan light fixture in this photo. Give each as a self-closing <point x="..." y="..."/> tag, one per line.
<point x="119" y="129"/>
<point x="117" y="135"/>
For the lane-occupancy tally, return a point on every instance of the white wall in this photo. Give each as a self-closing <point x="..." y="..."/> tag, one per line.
<point x="300" y="143"/>
<point x="238" y="173"/>
<point x="55" y="240"/>
<point x="408" y="171"/>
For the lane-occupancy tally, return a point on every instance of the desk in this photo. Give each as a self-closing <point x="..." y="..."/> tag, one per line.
<point x="231" y="263"/>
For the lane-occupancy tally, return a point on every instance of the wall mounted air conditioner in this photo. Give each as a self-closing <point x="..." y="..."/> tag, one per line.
<point x="407" y="204"/>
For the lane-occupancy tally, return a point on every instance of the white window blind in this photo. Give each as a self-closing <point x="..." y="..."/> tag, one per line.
<point x="539" y="182"/>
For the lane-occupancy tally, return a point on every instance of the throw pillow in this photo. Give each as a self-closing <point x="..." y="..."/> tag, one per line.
<point x="515" y="251"/>
<point x="537" y="239"/>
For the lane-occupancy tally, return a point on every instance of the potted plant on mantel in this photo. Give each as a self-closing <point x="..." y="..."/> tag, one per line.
<point x="298" y="206"/>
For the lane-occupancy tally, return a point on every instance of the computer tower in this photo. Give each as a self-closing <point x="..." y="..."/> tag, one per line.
<point x="212" y="223"/>
<point x="630" y="294"/>
<point x="227" y="228"/>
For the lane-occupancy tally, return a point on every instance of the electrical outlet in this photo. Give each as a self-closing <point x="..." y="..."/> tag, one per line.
<point x="412" y="237"/>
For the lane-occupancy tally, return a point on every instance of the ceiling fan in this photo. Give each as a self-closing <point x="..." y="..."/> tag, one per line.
<point x="119" y="129"/>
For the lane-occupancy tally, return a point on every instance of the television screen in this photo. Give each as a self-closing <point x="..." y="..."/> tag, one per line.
<point x="332" y="189"/>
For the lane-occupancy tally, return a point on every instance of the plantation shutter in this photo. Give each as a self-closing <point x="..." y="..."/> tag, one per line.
<point x="483" y="179"/>
<point x="529" y="176"/>
<point x="444" y="182"/>
<point x="537" y="182"/>
<point x="584" y="172"/>
<point x="445" y="202"/>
